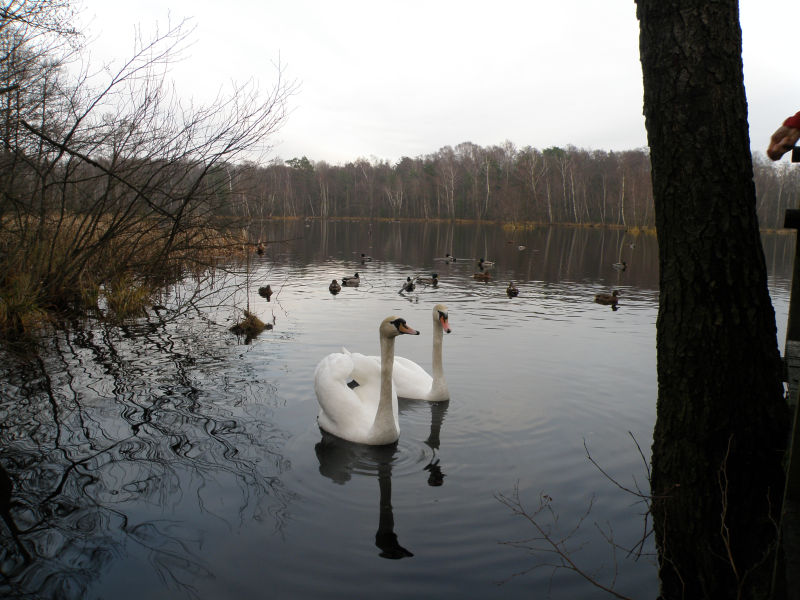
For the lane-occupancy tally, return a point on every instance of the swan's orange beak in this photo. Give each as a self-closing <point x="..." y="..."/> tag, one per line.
<point x="445" y="324"/>
<point x="403" y="328"/>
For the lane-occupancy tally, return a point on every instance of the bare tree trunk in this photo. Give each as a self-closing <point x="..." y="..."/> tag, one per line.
<point x="722" y="421"/>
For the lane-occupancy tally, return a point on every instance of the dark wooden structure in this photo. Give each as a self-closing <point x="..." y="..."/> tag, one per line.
<point x="786" y="582"/>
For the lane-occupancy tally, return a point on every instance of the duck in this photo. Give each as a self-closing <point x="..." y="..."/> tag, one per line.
<point x="512" y="290"/>
<point x="482" y="276"/>
<point x="260" y="248"/>
<point x="447" y="258"/>
<point x="408" y="286"/>
<point x="485" y="264"/>
<point x="413" y="382"/>
<point x="265" y="292"/>
<point x="334" y="287"/>
<point x="365" y="258"/>
<point x="357" y="400"/>
<point x="351" y="281"/>
<point x="432" y="280"/>
<point x="620" y="266"/>
<point x="607" y="299"/>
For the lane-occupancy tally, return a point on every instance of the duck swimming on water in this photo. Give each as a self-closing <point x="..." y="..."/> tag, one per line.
<point x="408" y="286"/>
<point x="265" y="292"/>
<point x="432" y="280"/>
<point x="607" y="299"/>
<point x="351" y="281"/>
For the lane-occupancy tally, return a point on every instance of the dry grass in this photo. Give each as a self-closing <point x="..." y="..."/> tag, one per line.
<point x="127" y="296"/>
<point x="53" y="267"/>
<point x="250" y="326"/>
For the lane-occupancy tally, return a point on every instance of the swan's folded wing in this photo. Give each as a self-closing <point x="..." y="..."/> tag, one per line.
<point x="335" y="367"/>
<point x="345" y="411"/>
<point x="337" y="402"/>
<point x="366" y="369"/>
<point x="410" y="380"/>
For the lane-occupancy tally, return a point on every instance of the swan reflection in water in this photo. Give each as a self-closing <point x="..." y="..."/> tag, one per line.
<point x="438" y="411"/>
<point x="338" y="459"/>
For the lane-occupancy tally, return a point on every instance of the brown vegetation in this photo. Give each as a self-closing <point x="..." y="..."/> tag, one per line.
<point x="109" y="187"/>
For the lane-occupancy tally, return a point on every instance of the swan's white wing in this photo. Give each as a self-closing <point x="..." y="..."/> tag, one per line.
<point x="366" y="369"/>
<point x="409" y="380"/>
<point x="343" y="412"/>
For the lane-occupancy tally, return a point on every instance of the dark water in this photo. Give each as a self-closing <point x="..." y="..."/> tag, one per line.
<point x="170" y="459"/>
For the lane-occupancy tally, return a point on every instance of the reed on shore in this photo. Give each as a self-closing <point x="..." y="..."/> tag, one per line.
<point x="57" y="269"/>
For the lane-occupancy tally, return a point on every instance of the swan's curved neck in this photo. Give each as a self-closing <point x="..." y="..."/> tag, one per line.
<point x="438" y="368"/>
<point x="384" y="416"/>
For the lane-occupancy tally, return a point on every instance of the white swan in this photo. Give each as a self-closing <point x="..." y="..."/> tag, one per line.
<point x="412" y="381"/>
<point x="356" y="403"/>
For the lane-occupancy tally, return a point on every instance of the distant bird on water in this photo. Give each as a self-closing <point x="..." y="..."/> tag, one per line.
<point x="351" y="281"/>
<point x="512" y="290"/>
<point x="485" y="264"/>
<point x="482" y="276"/>
<point x="620" y="266"/>
<point x="432" y="280"/>
<point x="334" y="287"/>
<point x="365" y="258"/>
<point x="607" y="299"/>
<point x="408" y="286"/>
<point x="265" y="292"/>
<point x="447" y="258"/>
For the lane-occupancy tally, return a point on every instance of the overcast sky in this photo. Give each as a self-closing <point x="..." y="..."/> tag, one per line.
<point x="405" y="78"/>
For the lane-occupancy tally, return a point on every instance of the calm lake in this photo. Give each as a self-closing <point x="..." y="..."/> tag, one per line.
<point x="171" y="459"/>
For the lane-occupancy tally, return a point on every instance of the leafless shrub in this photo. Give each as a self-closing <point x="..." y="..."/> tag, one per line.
<point x="113" y="176"/>
<point x="556" y="547"/>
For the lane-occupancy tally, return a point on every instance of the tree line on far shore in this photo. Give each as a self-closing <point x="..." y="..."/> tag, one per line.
<point x="498" y="183"/>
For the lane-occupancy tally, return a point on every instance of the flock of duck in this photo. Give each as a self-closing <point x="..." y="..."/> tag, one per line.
<point x="358" y="394"/>
<point x="409" y="285"/>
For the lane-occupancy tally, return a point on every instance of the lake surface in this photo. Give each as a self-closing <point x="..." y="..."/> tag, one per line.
<point x="171" y="459"/>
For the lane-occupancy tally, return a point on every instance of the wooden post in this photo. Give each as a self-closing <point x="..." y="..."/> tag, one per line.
<point x="786" y="582"/>
<point x="792" y="221"/>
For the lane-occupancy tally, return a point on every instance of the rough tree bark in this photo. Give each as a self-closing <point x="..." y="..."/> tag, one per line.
<point x="722" y="421"/>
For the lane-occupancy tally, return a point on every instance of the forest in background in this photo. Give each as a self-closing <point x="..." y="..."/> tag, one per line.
<point x="498" y="183"/>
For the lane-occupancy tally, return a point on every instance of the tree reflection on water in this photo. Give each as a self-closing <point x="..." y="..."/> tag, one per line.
<point x="106" y="447"/>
